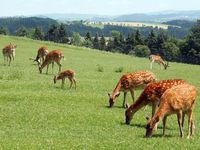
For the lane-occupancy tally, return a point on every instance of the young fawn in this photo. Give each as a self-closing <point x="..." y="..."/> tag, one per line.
<point x="158" y="59"/>
<point x="151" y="95"/>
<point x="51" y="57"/>
<point x="178" y="100"/>
<point x="9" y="52"/>
<point x="66" y="74"/>
<point x="131" y="82"/>
<point x="41" y="54"/>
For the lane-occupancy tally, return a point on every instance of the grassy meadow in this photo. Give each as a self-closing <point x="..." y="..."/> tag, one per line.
<point x="36" y="114"/>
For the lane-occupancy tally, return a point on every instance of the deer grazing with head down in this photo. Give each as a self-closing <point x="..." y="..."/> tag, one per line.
<point x="66" y="74"/>
<point x="131" y="82"/>
<point x="157" y="59"/>
<point x="151" y="95"/>
<point x="179" y="100"/>
<point x="41" y="54"/>
<point x="51" y="57"/>
<point x="9" y="52"/>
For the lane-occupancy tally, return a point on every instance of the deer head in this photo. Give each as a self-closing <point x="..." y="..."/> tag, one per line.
<point x="166" y="65"/>
<point x="112" y="98"/>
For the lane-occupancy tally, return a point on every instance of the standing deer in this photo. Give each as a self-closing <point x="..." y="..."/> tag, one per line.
<point x="151" y="95"/>
<point x="51" y="57"/>
<point x="158" y="59"/>
<point x="131" y="82"/>
<point x="178" y="100"/>
<point x="41" y="54"/>
<point x="66" y="74"/>
<point x="9" y="52"/>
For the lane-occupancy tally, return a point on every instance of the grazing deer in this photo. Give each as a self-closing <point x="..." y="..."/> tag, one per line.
<point x="51" y="57"/>
<point x="158" y="59"/>
<point x="66" y="74"/>
<point x="42" y="52"/>
<point x="178" y="100"/>
<point x="130" y="82"/>
<point x="151" y="95"/>
<point x="9" y="52"/>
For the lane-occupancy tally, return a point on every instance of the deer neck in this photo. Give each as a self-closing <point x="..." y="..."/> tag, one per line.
<point x="117" y="89"/>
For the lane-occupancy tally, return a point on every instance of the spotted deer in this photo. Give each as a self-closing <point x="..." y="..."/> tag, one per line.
<point x="51" y="57"/>
<point x="66" y="74"/>
<point x="41" y="54"/>
<point x="9" y="53"/>
<point x="158" y="59"/>
<point x="151" y="95"/>
<point x="179" y="100"/>
<point x="131" y="82"/>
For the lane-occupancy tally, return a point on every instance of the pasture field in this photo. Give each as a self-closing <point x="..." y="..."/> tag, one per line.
<point x="36" y="114"/>
<point x="128" y="24"/>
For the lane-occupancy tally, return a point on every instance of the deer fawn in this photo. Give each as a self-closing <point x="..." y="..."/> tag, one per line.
<point x="178" y="100"/>
<point x="66" y="74"/>
<point x="9" y="52"/>
<point x="151" y="94"/>
<point x="51" y="57"/>
<point x="42" y="52"/>
<point x="130" y="82"/>
<point x="158" y="59"/>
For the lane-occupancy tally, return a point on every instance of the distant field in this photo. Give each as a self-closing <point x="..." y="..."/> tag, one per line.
<point x="36" y="114"/>
<point x="127" y="24"/>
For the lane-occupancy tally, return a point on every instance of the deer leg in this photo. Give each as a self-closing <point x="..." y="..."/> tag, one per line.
<point x="179" y="117"/>
<point x="9" y="59"/>
<point x="190" y="124"/>
<point x="154" y="108"/>
<point x="132" y="94"/>
<point x="63" y="82"/>
<point x="124" y="105"/>
<point x="183" y="118"/>
<point x="74" y="80"/>
<point x="71" y="82"/>
<point x="52" y="66"/>
<point x="47" y="69"/>
<point x="164" y="124"/>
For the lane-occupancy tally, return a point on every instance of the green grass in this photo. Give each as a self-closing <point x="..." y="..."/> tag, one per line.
<point x="36" y="114"/>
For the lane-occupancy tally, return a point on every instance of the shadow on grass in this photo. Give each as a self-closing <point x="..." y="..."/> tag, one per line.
<point x="114" y="107"/>
<point x="159" y="136"/>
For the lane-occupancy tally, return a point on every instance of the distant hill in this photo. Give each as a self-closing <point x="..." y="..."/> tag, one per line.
<point x="181" y="23"/>
<point x="13" y="23"/>
<point x="162" y="16"/>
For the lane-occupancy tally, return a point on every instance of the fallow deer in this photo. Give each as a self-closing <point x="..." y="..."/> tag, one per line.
<point x="178" y="100"/>
<point x="151" y="95"/>
<point x="51" y="57"/>
<point x="41" y="54"/>
<point x="66" y="74"/>
<point x="158" y="59"/>
<point x="9" y="52"/>
<point x="131" y="82"/>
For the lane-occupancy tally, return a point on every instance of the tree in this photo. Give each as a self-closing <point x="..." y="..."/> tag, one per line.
<point x="152" y="42"/>
<point x="3" y="31"/>
<point x="171" y="51"/>
<point x="161" y="39"/>
<point x="96" y="41"/>
<point x="190" y="50"/>
<point x="22" y="31"/>
<point x="88" y="36"/>
<point x="38" y="34"/>
<point x="102" y="43"/>
<point x="141" y="51"/>
<point x="129" y="43"/>
<point x="53" y="33"/>
<point x="63" y="34"/>
<point x="138" y="38"/>
<point x="76" y="39"/>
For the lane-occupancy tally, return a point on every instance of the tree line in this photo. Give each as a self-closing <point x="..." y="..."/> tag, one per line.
<point x="137" y="43"/>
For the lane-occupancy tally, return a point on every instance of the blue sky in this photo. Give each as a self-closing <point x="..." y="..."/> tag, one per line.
<point x="101" y="7"/>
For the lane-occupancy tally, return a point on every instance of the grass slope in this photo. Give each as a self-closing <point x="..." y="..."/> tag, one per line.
<point x="36" y="114"/>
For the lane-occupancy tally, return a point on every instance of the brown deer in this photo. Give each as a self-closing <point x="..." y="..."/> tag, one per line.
<point x="66" y="74"/>
<point x="41" y="54"/>
<point x="178" y="100"/>
<point x="151" y="95"/>
<point x="131" y="82"/>
<point x="51" y="57"/>
<point x="158" y="59"/>
<point x="9" y="52"/>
